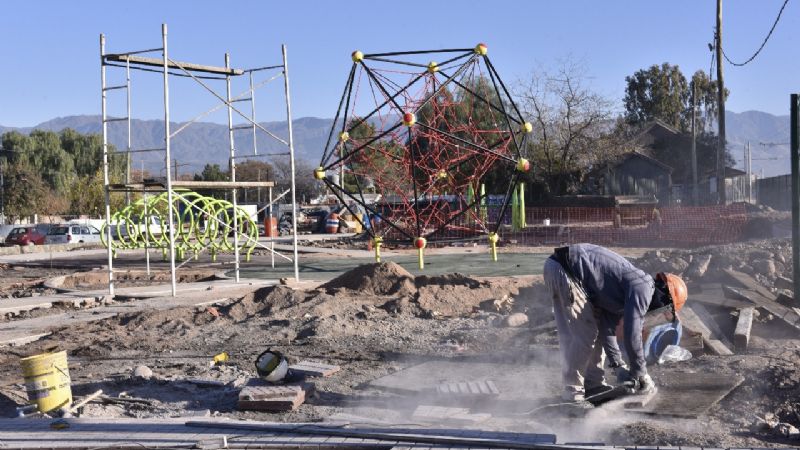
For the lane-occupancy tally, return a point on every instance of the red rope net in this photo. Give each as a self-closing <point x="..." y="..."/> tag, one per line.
<point x="422" y="135"/>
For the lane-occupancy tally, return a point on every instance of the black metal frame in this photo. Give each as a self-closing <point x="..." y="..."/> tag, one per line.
<point x="511" y="116"/>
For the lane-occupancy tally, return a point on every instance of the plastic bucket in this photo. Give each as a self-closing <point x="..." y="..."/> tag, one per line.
<point x="659" y="338"/>
<point x="47" y="380"/>
<point x="332" y="224"/>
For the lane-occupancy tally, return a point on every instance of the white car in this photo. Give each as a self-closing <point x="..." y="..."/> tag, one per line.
<point x="72" y="234"/>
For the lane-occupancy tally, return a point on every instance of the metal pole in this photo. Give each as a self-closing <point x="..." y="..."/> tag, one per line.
<point x="291" y="160"/>
<point x="253" y="113"/>
<point x="167" y="159"/>
<point x="795" y="154"/>
<point x="749" y="171"/>
<point x="271" y="237"/>
<point x="721" y="111"/>
<point x="128" y="156"/>
<point x="232" y="165"/>
<point x="105" y="166"/>
<point x="147" y="230"/>
<point x="695" y="193"/>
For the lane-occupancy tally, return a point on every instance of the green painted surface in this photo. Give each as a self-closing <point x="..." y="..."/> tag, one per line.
<point x="477" y="264"/>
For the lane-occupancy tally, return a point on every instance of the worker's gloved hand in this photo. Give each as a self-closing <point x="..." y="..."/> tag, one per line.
<point x="642" y="385"/>
<point x="622" y="373"/>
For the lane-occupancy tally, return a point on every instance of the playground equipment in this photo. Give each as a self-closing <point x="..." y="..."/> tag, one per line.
<point x="424" y="133"/>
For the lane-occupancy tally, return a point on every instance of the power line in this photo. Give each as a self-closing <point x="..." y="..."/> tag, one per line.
<point x="774" y="24"/>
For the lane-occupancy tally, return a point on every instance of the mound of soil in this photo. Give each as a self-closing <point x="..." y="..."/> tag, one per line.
<point x="377" y="279"/>
<point x="264" y="301"/>
<point x="131" y="278"/>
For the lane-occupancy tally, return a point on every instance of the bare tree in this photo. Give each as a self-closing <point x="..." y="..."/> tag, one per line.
<point x="572" y="125"/>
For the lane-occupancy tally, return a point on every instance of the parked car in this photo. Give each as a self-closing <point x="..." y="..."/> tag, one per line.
<point x="71" y="233"/>
<point x="26" y="235"/>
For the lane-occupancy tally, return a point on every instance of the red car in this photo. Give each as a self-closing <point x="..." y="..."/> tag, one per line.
<point x="25" y="236"/>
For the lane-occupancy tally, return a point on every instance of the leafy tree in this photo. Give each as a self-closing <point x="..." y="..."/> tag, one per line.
<point x="572" y="129"/>
<point x="212" y="172"/>
<point x="24" y="191"/>
<point x="253" y="170"/>
<point x="662" y="92"/>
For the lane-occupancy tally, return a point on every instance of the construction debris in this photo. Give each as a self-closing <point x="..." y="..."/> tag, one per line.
<point x="274" y="398"/>
<point x="313" y="369"/>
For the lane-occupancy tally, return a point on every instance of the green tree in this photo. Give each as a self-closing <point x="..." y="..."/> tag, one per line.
<point x="663" y="93"/>
<point x="253" y="170"/>
<point x="24" y="191"/>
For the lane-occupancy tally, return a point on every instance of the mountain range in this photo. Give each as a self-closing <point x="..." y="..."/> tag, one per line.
<point x="206" y="142"/>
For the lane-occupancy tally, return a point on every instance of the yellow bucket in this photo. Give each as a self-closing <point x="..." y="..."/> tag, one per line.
<point x="47" y="380"/>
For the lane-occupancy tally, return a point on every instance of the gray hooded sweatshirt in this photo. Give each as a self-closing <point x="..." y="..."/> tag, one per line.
<point x="617" y="290"/>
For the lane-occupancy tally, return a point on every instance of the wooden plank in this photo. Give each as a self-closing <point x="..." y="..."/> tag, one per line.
<point x="741" y="336"/>
<point x="157" y="62"/>
<point x="638" y="401"/>
<point x="750" y="283"/>
<point x="711" y="324"/>
<point x="715" y="295"/>
<point x="314" y="369"/>
<point x="692" y="322"/>
<point x="788" y="315"/>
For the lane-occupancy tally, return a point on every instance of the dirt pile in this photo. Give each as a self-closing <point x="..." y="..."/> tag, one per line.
<point x="376" y="279"/>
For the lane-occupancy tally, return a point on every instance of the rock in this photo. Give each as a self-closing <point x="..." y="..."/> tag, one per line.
<point x="785" y="429"/>
<point x="759" y="254"/>
<point x="785" y="298"/>
<point x="143" y="372"/>
<point x="784" y="283"/>
<point x="676" y="265"/>
<point x="516" y="320"/>
<point x="765" y="267"/>
<point x="698" y="267"/>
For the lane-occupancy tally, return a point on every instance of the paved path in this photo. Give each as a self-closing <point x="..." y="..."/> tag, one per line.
<point x="20" y="332"/>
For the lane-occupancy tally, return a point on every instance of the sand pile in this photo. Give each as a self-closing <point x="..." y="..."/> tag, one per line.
<point x="377" y="279"/>
<point x="264" y="301"/>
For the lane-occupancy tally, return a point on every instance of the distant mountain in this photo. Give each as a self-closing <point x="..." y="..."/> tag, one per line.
<point x="769" y="140"/>
<point x="205" y="142"/>
<point x="200" y="142"/>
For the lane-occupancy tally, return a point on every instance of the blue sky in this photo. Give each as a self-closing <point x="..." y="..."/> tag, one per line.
<point x="50" y="49"/>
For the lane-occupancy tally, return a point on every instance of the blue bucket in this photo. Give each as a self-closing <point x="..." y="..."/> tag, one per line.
<point x="659" y="338"/>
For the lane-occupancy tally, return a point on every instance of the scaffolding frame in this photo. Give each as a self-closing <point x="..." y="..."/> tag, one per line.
<point x="167" y="68"/>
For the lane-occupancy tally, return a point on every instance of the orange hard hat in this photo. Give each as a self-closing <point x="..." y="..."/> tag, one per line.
<point x="677" y="289"/>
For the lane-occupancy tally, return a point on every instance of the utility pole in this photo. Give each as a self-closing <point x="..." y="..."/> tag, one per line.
<point x="695" y="200"/>
<point x="748" y="161"/>
<point x="175" y="161"/>
<point x="794" y="130"/>
<point x="721" y="111"/>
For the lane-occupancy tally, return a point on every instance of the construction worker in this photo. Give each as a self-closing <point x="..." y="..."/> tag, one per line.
<point x="593" y="290"/>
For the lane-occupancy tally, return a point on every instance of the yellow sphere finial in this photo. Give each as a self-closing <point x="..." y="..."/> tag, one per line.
<point x="433" y="67"/>
<point x="442" y="174"/>
<point x="344" y="136"/>
<point x="527" y="127"/>
<point x="357" y="56"/>
<point x="319" y="173"/>
<point x="481" y="49"/>
<point x="523" y="165"/>
<point x="493" y="238"/>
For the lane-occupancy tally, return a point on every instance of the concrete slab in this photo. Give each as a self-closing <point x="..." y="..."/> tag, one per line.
<point x="690" y="395"/>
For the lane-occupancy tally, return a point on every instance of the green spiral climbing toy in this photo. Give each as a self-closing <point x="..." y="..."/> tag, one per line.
<point x="201" y="222"/>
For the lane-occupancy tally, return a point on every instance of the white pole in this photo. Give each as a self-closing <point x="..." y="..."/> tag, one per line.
<point x="170" y="219"/>
<point x="105" y="167"/>
<point x="233" y="172"/>
<point x="128" y="157"/>
<point x="291" y="160"/>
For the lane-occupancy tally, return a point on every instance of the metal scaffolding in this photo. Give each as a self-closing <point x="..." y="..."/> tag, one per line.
<point x="200" y="74"/>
